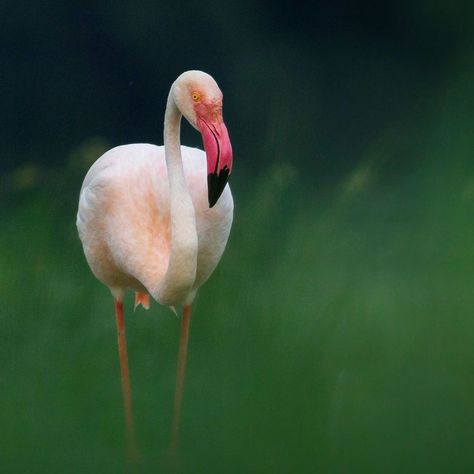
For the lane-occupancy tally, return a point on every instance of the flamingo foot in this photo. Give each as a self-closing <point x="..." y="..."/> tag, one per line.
<point x="142" y="299"/>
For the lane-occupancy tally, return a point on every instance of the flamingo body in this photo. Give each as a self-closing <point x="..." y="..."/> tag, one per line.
<point x="124" y="218"/>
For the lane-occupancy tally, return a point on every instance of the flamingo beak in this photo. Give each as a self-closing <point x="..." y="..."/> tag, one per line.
<point x="219" y="156"/>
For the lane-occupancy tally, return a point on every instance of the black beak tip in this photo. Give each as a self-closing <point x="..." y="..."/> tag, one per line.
<point x="212" y="201"/>
<point x="216" y="184"/>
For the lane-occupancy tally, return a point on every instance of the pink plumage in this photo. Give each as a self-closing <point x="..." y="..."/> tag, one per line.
<point x="124" y="219"/>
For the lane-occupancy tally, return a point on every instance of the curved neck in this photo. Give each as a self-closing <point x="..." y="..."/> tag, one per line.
<point x="181" y="272"/>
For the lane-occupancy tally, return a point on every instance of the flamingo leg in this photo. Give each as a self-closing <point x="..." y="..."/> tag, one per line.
<point x="132" y="448"/>
<point x="181" y="369"/>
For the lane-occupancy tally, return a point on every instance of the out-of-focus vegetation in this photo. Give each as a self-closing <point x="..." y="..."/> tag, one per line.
<point x="337" y="333"/>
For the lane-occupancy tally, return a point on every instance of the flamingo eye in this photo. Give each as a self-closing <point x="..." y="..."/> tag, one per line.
<point x="195" y="96"/>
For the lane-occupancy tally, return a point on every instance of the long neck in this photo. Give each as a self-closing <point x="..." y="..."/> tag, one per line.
<point x="181" y="272"/>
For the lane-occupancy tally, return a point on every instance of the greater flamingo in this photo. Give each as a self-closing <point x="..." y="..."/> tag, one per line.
<point x="149" y="220"/>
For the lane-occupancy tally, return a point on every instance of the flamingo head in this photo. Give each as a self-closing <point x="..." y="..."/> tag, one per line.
<point x="199" y="99"/>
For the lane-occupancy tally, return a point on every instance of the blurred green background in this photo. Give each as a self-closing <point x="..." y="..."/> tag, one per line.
<point x="337" y="333"/>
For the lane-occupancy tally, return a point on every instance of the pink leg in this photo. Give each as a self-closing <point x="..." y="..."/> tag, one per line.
<point x="132" y="449"/>
<point x="178" y="394"/>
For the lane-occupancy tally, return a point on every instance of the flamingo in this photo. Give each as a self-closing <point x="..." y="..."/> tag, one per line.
<point x="150" y="221"/>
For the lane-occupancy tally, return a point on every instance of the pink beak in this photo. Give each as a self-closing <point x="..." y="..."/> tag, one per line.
<point x="219" y="156"/>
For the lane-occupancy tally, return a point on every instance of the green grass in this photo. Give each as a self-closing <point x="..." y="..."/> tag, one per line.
<point x="336" y="334"/>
